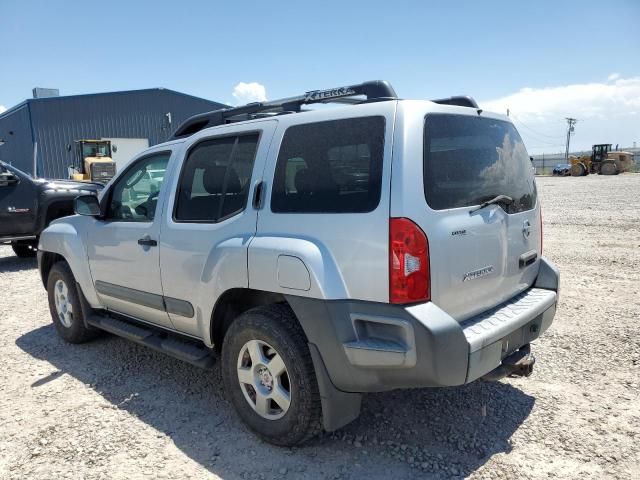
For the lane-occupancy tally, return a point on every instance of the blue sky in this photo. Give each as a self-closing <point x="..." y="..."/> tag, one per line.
<point x="488" y="49"/>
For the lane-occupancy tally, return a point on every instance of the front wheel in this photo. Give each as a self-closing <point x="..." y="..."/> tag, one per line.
<point x="578" y="170"/>
<point x="64" y="305"/>
<point x="269" y="377"/>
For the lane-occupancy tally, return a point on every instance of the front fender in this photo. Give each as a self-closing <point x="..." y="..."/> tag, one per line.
<point x="295" y="266"/>
<point x="65" y="237"/>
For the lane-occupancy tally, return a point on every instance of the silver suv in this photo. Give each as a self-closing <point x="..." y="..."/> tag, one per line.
<point x="316" y="255"/>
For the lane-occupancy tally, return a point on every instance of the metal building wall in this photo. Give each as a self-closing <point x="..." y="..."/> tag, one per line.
<point x="15" y="130"/>
<point x="58" y="121"/>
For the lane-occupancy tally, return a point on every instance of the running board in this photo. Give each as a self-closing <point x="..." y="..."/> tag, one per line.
<point x="175" y="347"/>
<point x="17" y="239"/>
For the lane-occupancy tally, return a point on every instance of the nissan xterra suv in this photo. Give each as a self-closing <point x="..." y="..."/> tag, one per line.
<point x="316" y="254"/>
<point x="28" y="205"/>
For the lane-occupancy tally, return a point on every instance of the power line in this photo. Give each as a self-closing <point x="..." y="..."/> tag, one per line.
<point x="540" y="140"/>
<point x="537" y="140"/>
<point x="534" y="131"/>
<point x="547" y="145"/>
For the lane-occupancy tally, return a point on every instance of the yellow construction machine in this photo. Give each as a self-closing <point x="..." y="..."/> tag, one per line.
<point x="602" y="160"/>
<point x="93" y="161"/>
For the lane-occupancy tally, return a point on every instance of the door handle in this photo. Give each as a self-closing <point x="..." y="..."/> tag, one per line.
<point x="147" y="242"/>
<point x="528" y="258"/>
<point x="257" y="195"/>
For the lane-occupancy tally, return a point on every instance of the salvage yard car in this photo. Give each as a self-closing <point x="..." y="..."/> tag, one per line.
<point x="316" y="255"/>
<point x="562" y="170"/>
<point x="28" y="205"/>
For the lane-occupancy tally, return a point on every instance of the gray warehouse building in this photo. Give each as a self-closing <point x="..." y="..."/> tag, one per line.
<point x="40" y="132"/>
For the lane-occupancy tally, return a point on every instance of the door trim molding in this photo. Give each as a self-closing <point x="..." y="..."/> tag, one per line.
<point x="146" y="299"/>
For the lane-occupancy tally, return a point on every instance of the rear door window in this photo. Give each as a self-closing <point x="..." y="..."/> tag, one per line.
<point x="332" y="167"/>
<point x="468" y="160"/>
<point x="214" y="183"/>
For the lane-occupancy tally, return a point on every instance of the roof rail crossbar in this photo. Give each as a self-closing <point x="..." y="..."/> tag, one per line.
<point x="459" y="100"/>
<point x="377" y="90"/>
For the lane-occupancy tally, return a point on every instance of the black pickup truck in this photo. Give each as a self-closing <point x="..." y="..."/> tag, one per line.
<point x="28" y="205"/>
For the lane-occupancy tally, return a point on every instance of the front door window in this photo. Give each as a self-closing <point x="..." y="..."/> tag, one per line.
<point x="134" y="197"/>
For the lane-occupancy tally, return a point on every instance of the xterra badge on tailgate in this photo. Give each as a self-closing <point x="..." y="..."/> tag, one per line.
<point x="481" y="272"/>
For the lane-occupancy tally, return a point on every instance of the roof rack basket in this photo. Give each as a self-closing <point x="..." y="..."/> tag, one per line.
<point x="374" y="91"/>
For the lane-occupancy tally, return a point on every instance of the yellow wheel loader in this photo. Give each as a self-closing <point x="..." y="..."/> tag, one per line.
<point x="93" y="161"/>
<point x="602" y="161"/>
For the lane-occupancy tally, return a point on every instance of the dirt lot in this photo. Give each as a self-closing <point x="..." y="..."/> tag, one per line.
<point x="111" y="409"/>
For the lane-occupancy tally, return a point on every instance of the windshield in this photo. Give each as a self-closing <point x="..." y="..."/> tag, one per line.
<point x="469" y="160"/>
<point x="95" y="150"/>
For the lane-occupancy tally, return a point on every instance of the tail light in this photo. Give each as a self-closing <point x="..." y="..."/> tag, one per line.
<point x="408" y="262"/>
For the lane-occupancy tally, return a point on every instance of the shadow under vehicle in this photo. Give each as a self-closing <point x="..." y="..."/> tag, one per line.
<point x="442" y="427"/>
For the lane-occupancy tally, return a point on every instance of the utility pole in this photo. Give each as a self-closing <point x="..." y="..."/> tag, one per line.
<point x="570" y="129"/>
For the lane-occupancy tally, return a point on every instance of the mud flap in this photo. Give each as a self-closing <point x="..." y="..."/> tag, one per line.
<point x="338" y="408"/>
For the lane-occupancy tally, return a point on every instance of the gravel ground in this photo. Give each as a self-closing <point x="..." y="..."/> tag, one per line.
<point x="111" y="409"/>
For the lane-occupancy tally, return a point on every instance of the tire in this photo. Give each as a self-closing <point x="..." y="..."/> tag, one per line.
<point x="578" y="170"/>
<point x="608" y="168"/>
<point x="24" y="250"/>
<point x="64" y="305"/>
<point x="270" y="332"/>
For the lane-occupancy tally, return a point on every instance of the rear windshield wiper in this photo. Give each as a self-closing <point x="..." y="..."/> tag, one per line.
<point x="506" y="199"/>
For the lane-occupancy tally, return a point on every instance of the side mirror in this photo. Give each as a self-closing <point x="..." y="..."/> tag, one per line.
<point x="7" y="179"/>
<point x="87" y="205"/>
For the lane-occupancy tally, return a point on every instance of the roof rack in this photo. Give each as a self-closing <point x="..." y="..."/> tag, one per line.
<point x="374" y="91"/>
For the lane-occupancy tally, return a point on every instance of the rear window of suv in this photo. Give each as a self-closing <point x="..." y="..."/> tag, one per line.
<point x="330" y="167"/>
<point x="469" y="160"/>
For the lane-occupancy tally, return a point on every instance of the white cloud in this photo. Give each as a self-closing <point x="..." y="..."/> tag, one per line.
<point x="2" y="108"/>
<point x="249" y="92"/>
<point x="613" y="77"/>
<point x="606" y="113"/>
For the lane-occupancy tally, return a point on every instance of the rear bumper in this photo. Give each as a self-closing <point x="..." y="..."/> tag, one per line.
<point x="371" y="347"/>
<point x="495" y="334"/>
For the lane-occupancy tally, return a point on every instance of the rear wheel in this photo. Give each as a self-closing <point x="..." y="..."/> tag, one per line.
<point x="269" y="377"/>
<point x="24" y="250"/>
<point x="608" y="168"/>
<point x="64" y="305"/>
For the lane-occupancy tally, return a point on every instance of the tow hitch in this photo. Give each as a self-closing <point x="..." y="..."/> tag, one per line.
<point x="518" y="364"/>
